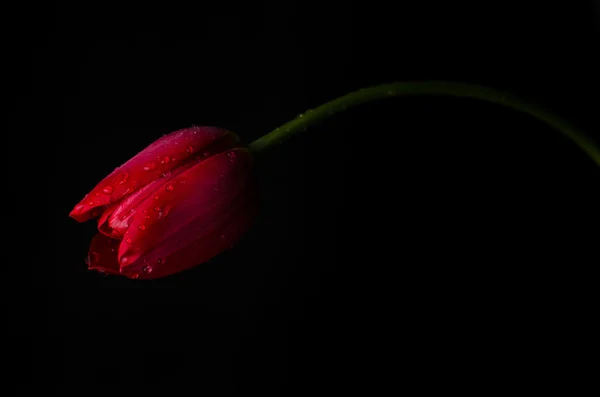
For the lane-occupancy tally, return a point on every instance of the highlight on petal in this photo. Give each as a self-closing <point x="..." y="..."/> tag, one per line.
<point x="159" y="158"/>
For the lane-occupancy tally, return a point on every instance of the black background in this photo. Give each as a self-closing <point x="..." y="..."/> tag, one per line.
<point x="415" y="242"/>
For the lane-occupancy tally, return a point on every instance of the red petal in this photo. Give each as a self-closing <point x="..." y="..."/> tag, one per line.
<point x="164" y="155"/>
<point x="115" y="219"/>
<point x="182" y="252"/>
<point x="103" y="254"/>
<point x="196" y="197"/>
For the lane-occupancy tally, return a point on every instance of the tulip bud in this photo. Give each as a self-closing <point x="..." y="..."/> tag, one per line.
<point x="179" y="202"/>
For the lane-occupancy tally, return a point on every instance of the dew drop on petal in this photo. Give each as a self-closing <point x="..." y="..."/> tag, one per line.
<point x="159" y="261"/>
<point x="150" y="166"/>
<point x="231" y="154"/>
<point x="166" y="174"/>
<point x="147" y="216"/>
<point x="135" y="276"/>
<point x="189" y="149"/>
<point x="124" y="178"/>
<point x="107" y="190"/>
<point x="147" y="269"/>
<point x="128" y="240"/>
<point x="157" y="209"/>
<point x="79" y="207"/>
<point x="155" y="197"/>
<point x="215" y="189"/>
<point x="206" y="154"/>
<point x="167" y="160"/>
<point x="142" y="227"/>
<point x="169" y="187"/>
<point x="91" y="203"/>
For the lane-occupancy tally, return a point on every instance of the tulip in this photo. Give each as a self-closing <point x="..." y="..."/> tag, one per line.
<point x="179" y="202"/>
<point x="189" y="195"/>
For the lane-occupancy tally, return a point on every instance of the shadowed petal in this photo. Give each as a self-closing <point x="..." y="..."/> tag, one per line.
<point x="102" y="255"/>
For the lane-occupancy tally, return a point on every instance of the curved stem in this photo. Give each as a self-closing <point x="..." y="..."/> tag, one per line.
<point x="370" y="94"/>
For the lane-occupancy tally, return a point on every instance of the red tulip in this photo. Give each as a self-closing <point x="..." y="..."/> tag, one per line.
<point x="179" y="202"/>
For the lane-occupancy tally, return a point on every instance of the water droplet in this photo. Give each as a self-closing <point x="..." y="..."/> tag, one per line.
<point x="182" y="181"/>
<point x="166" y="174"/>
<point x="107" y="190"/>
<point x="300" y="115"/>
<point x="91" y="203"/>
<point x="159" y="261"/>
<point x="155" y="197"/>
<point x="124" y="178"/>
<point x="128" y="240"/>
<point x="142" y="227"/>
<point x="167" y="160"/>
<point x="79" y="207"/>
<point x="147" y="216"/>
<point x="169" y="187"/>
<point x="189" y="149"/>
<point x="173" y="158"/>
<point x="150" y="166"/>
<point x="112" y="250"/>
<point x="135" y="276"/>
<point x="157" y="209"/>
<point x="97" y="194"/>
<point x="124" y="260"/>
<point x="215" y="189"/>
<point x="206" y="154"/>
<point x="147" y="269"/>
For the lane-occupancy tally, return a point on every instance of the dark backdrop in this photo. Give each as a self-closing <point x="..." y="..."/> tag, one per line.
<point x="415" y="242"/>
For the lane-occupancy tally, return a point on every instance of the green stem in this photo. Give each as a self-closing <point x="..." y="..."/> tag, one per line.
<point x="370" y="94"/>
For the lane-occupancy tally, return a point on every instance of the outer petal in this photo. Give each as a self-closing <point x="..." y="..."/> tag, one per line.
<point x="192" y="200"/>
<point x="184" y="252"/>
<point x="162" y="156"/>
